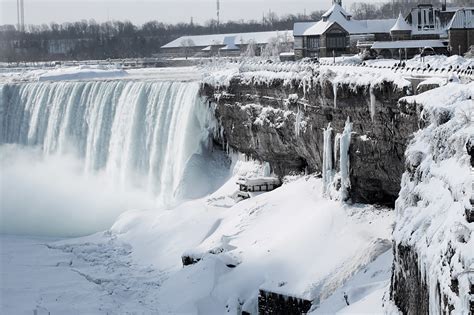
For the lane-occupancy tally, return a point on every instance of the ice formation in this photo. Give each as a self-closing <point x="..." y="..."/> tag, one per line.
<point x="344" y="161"/>
<point x="334" y="151"/>
<point x="327" y="169"/>
<point x="434" y="195"/>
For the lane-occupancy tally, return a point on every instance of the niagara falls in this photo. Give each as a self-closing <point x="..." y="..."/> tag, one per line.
<point x="236" y="157"/>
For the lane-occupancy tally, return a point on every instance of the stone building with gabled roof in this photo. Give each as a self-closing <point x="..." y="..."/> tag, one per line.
<point x="337" y="33"/>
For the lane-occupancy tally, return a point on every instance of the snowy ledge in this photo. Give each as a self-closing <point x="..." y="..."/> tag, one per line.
<point x="303" y="74"/>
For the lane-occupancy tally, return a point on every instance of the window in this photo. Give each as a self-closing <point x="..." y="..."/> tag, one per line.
<point x="336" y="42"/>
<point x="313" y="42"/>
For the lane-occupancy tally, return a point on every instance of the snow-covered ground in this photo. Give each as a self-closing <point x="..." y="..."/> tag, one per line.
<point x="97" y="72"/>
<point x="290" y="240"/>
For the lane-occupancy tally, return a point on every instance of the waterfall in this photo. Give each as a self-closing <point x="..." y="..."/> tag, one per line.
<point x="137" y="132"/>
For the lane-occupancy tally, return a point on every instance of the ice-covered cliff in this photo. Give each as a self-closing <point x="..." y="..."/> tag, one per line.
<point x="277" y="112"/>
<point x="433" y="237"/>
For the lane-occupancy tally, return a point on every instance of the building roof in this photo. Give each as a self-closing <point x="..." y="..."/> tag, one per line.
<point x="299" y="28"/>
<point x="433" y="43"/>
<point x="463" y="18"/>
<point x="229" y="42"/>
<point x="336" y="14"/>
<point x="400" y="24"/>
<point x="336" y="9"/>
<point x="225" y="39"/>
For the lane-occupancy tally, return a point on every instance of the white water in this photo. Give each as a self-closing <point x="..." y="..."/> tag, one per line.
<point x="149" y="136"/>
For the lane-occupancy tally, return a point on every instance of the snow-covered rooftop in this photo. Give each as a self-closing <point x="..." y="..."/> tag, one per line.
<point x="336" y="14"/>
<point x="224" y="39"/>
<point x="300" y="28"/>
<point x="433" y="43"/>
<point x="336" y="9"/>
<point x="401" y="24"/>
<point x="463" y="18"/>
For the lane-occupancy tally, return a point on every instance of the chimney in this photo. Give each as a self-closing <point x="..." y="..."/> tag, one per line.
<point x="443" y="6"/>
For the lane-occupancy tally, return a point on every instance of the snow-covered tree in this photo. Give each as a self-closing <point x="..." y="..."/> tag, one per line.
<point x="251" y="49"/>
<point x="186" y="44"/>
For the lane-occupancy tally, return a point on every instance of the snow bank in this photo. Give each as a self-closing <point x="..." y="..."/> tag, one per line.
<point x="81" y="73"/>
<point x="435" y="192"/>
<point x="97" y="72"/>
<point x="257" y="71"/>
<point x="437" y="61"/>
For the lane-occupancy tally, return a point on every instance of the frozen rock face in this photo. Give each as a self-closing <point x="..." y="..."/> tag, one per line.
<point x="282" y="122"/>
<point x="433" y="250"/>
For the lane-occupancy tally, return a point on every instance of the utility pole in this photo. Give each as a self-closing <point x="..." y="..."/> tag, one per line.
<point x="218" y="15"/>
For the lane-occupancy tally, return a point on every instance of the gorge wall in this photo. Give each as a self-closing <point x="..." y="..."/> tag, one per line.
<point x="281" y="121"/>
<point x="404" y="151"/>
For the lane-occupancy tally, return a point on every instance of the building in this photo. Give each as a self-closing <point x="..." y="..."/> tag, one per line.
<point x="226" y="44"/>
<point x="443" y="30"/>
<point x="337" y="33"/>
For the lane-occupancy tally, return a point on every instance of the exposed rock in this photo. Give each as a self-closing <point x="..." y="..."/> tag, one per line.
<point x="282" y="124"/>
<point x="274" y="303"/>
<point x="408" y="289"/>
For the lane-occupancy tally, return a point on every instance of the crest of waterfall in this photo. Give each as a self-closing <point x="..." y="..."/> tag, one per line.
<point x="138" y="132"/>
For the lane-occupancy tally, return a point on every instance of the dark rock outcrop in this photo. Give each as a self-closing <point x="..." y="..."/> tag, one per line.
<point x="259" y="120"/>
<point x="408" y="289"/>
<point x="274" y="303"/>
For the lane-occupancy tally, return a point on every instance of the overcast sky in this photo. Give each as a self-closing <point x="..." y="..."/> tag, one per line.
<point x="140" y="11"/>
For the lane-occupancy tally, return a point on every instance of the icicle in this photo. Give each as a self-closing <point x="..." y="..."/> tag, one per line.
<point x="336" y="149"/>
<point x="372" y="102"/>
<point x="267" y="170"/>
<point x="298" y="122"/>
<point x="327" y="169"/>
<point x="344" y="159"/>
<point x="334" y="89"/>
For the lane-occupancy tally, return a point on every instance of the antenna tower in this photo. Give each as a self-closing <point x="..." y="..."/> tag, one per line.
<point x="20" y="14"/>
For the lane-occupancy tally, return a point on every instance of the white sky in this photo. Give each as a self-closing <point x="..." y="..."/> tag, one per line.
<point x="140" y="11"/>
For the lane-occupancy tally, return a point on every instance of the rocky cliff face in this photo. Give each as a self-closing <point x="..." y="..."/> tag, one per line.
<point x="281" y="122"/>
<point x="433" y="251"/>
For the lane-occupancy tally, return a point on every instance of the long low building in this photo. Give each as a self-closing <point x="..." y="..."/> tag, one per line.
<point x="226" y="44"/>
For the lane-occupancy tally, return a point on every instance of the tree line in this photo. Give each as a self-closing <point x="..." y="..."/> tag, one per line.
<point x="122" y="39"/>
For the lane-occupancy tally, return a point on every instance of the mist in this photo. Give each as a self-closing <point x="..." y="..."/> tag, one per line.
<point x="51" y="195"/>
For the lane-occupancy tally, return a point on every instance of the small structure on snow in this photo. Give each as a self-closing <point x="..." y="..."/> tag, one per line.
<point x="258" y="184"/>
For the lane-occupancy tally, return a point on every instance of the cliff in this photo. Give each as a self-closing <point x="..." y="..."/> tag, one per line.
<point x="433" y="244"/>
<point x="278" y="115"/>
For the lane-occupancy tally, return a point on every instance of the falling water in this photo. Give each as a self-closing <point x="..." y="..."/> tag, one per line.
<point x="142" y="133"/>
